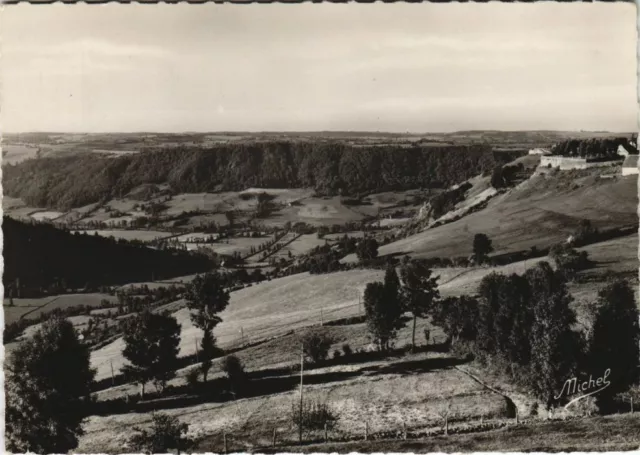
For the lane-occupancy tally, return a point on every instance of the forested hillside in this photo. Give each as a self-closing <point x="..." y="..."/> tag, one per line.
<point x="42" y="256"/>
<point x="593" y="147"/>
<point x="329" y="168"/>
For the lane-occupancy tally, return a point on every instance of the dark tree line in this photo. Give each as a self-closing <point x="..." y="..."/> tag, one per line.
<point x="523" y="326"/>
<point x="593" y="148"/>
<point x="330" y="168"/>
<point x="39" y="257"/>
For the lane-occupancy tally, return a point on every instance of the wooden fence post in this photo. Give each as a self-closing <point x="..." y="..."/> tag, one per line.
<point x="366" y="431"/>
<point x="631" y="400"/>
<point x="274" y="437"/>
<point x="224" y="440"/>
<point x="326" y="435"/>
<point x="517" y="416"/>
<point x="446" y="425"/>
<point x="404" y="430"/>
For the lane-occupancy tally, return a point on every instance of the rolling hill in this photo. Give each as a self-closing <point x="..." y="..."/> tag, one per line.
<point x="541" y="211"/>
<point x="328" y="168"/>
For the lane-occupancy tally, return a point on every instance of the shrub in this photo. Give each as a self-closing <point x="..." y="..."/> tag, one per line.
<point x="568" y="260"/>
<point x="166" y="432"/>
<point x="586" y="407"/>
<point x="337" y="354"/>
<point x="233" y="368"/>
<point x="316" y="345"/>
<point x="192" y="378"/>
<point x="315" y="415"/>
<point x="346" y="349"/>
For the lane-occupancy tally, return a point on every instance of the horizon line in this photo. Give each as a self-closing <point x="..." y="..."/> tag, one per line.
<point x="406" y="133"/>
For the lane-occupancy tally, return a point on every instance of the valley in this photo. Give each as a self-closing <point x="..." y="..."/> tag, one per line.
<point x="292" y="264"/>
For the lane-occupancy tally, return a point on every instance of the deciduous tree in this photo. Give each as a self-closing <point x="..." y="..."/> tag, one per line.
<point x="553" y="345"/>
<point x="206" y="297"/>
<point x="367" y="249"/>
<point x="615" y="338"/>
<point x="151" y="346"/>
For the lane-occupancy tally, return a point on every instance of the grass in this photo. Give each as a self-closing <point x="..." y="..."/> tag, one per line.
<point x="46" y="215"/>
<point x="301" y="245"/>
<point x="269" y="309"/>
<point x="596" y="434"/>
<point x="32" y="308"/>
<point x="357" y="393"/>
<point x="540" y="212"/>
<point x="232" y="245"/>
<point x="16" y="153"/>
<point x="274" y="308"/>
<point x="143" y="235"/>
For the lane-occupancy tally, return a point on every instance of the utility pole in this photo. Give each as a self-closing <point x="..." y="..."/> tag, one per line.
<point x="241" y="337"/>
<point x="195" y="341"/>
<point x="113" y="379"/>
<point x="321" y="317"/>
<point x="301" y="388"/>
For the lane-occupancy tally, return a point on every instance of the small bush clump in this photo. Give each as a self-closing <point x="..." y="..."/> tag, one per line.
<point x="315" y="415"/>
<point x="316" y="346"/>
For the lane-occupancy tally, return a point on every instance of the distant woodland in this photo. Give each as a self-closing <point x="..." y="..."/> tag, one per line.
<point x="592" y="148"/>
<point x="329" y="168"/>
<point x="43" y="257"/>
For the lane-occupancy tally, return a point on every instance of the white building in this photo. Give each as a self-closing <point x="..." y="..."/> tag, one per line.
<point x="630" y="165"/>
<point x="622" y="151"/>
<point x="539" y="151"/>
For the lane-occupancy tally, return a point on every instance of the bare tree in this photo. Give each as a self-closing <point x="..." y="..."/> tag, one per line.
<point x="445" y="412"/>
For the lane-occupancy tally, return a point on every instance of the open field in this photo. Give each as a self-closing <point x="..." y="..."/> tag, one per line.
<point x="301" y="245"/>
<point x="615" y="433"/>
<point x="232" y="245"/>
<point x="15" y="153"/>
<point x="354" y="234"/>
<point x="46" y="215"/>
<point x="142" y="235"/>
<point x="276" y="307"/>
<point x="540" y="212"/>
<point x="358" y="393"/>
<point x="32" y="308"/>
<point x="46" y="304"/>
<point x="393" y="221"/>
<point x="266" y="310"/>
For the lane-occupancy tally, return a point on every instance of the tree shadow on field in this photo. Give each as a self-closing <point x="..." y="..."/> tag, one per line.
<point x="414" y="366"/>
<point x="217" y="390"/>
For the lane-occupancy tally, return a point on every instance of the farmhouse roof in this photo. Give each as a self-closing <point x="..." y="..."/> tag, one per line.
<point x="631" y="161"/>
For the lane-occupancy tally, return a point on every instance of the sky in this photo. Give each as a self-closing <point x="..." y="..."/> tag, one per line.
<point x="307" y="67"/>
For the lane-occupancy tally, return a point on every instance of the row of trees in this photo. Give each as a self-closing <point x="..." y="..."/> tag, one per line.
<point x="523" y="326"/>
<point x="386" y="302"/>
<point x="592" y="148"/>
